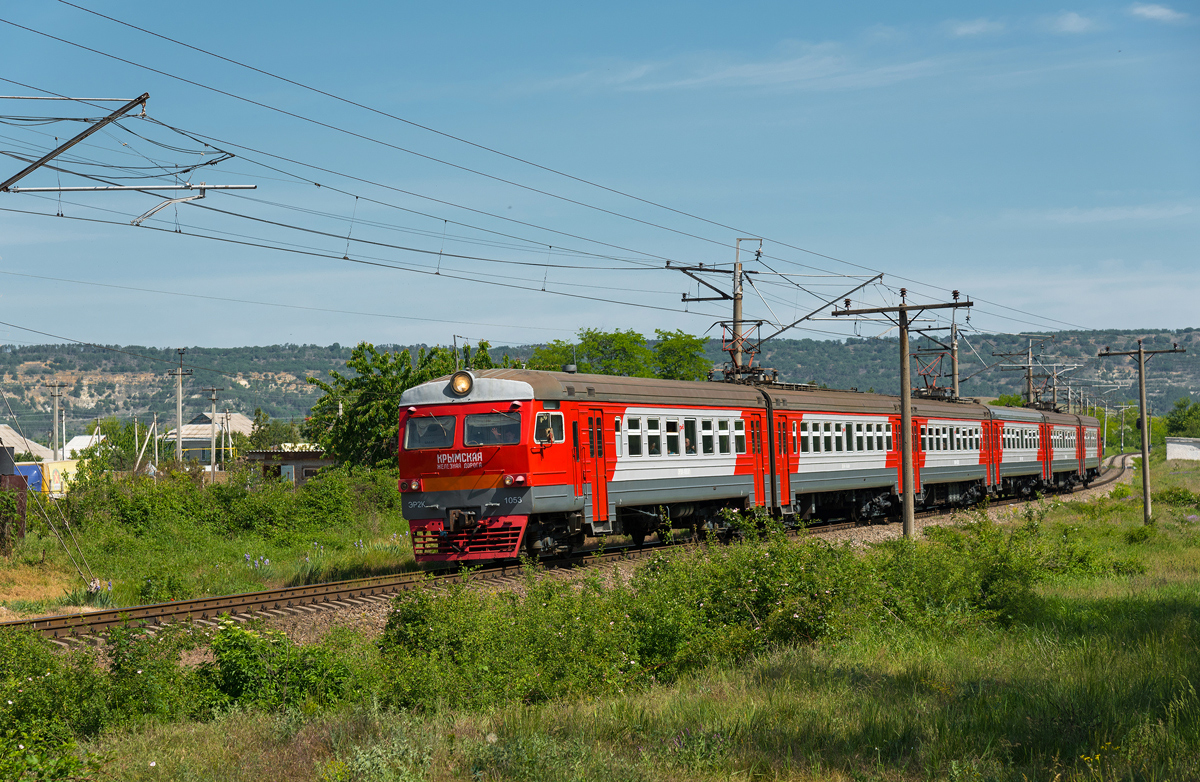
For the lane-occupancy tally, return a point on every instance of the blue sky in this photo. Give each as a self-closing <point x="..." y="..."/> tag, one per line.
<point x="1041" y="159"/>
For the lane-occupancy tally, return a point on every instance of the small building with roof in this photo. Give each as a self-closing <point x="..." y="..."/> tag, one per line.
<point x="197" y="435"/>
<point x="19" y="444"/>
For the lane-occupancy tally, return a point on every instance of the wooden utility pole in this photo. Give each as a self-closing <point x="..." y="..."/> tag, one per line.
<point x="1142" y="355"/>
<point x="906" y="435"/>
<point x="179" y="373"/>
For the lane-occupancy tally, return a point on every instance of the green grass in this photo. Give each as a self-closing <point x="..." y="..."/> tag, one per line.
<point x="957" y="672"/>
<point x="177" y="540"/>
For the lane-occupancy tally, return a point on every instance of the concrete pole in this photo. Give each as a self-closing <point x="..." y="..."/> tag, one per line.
<point x="737" y="316"/>
<point x="212" y="446"/>
<point x="1145" y="434"/>
<point x="1029" y="374"/>
<point x="155" y="442"/>
<point x="179" y="410"/>
<point x="906" y="460"/>
<point x="54" y="396"/>
<point x="954" y="355"/>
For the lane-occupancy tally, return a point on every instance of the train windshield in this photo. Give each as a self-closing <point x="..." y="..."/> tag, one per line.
<point x="430" y="431"/>
<point x="493" y="429"/>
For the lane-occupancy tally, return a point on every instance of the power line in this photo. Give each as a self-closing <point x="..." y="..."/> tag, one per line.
<point x="318" y="254"/>
<point x="508" y="156"/>
<point x="277" y="304"/>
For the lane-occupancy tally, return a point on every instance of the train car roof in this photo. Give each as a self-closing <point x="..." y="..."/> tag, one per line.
<point x="557" y="386"/>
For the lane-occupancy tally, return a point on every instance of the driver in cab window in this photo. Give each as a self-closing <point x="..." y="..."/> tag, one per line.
<point x="486" y="429"/>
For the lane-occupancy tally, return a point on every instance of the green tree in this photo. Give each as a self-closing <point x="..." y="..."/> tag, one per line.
<point x="366" y="430"/>
<point x="1184" y="419"/>
<point x="599" y="353"/>
<point x="269" y="432"/>
<point x="680" y="356"/>
<point x="1009" y="400"/>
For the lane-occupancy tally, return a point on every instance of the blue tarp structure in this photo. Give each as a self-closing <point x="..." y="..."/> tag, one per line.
<point x="33" y="475"/>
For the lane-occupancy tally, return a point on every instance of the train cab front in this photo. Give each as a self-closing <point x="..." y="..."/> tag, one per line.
<point x="464" y="467"/>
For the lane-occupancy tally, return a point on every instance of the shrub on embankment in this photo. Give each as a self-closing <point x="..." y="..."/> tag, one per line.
<point x="246" y="503"/>
<point x="469" y="648"/>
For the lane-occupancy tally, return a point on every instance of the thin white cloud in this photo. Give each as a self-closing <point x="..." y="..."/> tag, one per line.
<point x="1109" y="214"/>
<point x="1073" y="23"/>
<point x="974" y="27"/>
<point x="1157" y="13"/>
<point x="819" y="67"/>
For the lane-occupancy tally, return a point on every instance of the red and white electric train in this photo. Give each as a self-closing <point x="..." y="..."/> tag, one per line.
<point x="498" y="461"/>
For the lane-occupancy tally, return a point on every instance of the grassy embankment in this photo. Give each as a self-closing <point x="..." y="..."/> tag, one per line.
<point x="1058" y="646"/>
<point x="177" y="538"/>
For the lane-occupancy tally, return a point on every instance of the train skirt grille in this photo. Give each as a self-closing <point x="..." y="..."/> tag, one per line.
<point x="491" y="538"/>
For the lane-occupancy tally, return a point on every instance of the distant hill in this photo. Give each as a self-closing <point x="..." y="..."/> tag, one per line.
<point x="134" y="381"/>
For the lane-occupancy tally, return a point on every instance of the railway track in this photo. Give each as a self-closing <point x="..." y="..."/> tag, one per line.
<point x="88" y="628"/>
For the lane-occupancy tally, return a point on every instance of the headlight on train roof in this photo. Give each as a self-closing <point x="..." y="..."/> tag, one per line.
<point x="461" y="382"/>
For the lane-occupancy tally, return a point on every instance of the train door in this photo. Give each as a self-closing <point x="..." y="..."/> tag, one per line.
<point x="783" y="462"/>
<point x="598" y="474"/>
<point x="755" y="437"/>
<point x="918" y="451"/>
<point x="579" y="451"/>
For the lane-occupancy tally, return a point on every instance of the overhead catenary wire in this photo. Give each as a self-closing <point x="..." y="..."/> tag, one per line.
<point x="515" y="158"/>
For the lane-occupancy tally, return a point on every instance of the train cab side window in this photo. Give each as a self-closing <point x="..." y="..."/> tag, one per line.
<point x="575" y="438"/>
<point x="723" y="436"/>
<point x="706" y="437"/>
<point x="672" y="437"/>
<point x="617" y="431"/>
<point x="591" y="438"/>
<point x="633" y="429"/>
<point x="548" y="428"/>
<point x="889" y="437"/>
<point x="653" y="437"/>
<point x="690" y="443"/>
<point x="739" y="435"/>
<point x="795" y="427"/>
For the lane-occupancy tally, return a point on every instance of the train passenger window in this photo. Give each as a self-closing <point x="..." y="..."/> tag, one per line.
<point x="804" y="437"/>
<point x="739" y="435"/>
<point x="672" y="437"/>
<point x="849" y="437"/>
<point x="575" y="438"/>
<point x="816" y="438"/>
<point x="889" y="437"/>
<point x="653" y="437"/>
<point x="858" y="437"/>
<point x="633" y="429"/>
<point x="924" y="441"/>
<point x="689" y="436"/>
<point x="829" y="437"/>
<point x="617" y="430"/>
<point x="870" y="437"/>
<point x="723" y="436"/>
<point x="548" y="428"/>
<point x="429" y="431"/>
<point x="706" y="437"/>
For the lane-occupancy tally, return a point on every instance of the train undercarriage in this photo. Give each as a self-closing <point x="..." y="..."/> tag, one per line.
<point x="557" y="533"/>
